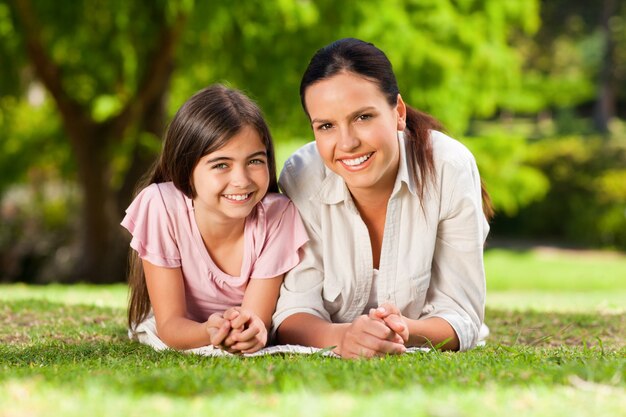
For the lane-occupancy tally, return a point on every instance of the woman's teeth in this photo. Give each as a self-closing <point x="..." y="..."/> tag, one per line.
<point x="357" y="161"/>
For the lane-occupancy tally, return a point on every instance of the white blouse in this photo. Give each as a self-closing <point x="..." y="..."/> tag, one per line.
<point x="431" y="262"/>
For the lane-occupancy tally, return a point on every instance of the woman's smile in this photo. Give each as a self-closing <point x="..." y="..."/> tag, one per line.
<point x="357" y="163"/>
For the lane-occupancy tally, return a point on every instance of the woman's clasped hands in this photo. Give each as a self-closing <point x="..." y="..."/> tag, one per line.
<point x="383" y="331"/>
<point x="237" y="330"/>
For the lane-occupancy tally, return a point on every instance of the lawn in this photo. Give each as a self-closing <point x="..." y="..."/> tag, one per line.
<point x="557" y="348"/>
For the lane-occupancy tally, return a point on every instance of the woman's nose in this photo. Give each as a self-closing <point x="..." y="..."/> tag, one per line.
<point x="348" y="140"/>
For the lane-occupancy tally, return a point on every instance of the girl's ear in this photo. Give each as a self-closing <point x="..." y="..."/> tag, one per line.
<point x="401" y="110"/>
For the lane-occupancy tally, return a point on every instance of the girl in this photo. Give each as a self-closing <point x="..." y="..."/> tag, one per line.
<point x="213" y="245"/>
<point x="393" y="209"/>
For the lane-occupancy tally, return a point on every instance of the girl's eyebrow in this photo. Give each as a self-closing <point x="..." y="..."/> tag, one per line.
<point x="227" y="158"/>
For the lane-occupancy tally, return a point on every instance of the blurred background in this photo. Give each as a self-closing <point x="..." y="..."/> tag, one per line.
<point x="535" y="88"/>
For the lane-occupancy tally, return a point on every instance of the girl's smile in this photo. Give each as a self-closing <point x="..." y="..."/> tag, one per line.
<point x="232" y="180"/>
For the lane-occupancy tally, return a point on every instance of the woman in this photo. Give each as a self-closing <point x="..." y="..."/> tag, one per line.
<point x="393" y="209"/>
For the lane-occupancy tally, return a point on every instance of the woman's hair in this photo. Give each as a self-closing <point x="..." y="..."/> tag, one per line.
<point x="364" y="59"/>
<point x="204" y="124"/>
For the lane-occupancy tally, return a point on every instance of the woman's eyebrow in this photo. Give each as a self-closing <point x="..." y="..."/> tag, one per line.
<point x="351" y="116"/>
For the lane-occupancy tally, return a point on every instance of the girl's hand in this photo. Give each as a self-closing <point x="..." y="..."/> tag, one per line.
<point x="392" y="317"/>
<point x="218" y="328"/>
<point x="248" y="333"/>
<point x="369" y="337"/>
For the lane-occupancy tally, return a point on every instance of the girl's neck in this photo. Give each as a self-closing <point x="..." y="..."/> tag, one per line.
<point x="219" y="230"/>
<point x="224" y="242"/>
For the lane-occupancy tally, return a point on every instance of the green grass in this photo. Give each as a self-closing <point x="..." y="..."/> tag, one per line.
<point x="64" y="351"/>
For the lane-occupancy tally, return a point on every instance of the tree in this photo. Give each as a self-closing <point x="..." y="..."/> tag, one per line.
<point x="91" y="134"/>
<point x="576" y="59"/>
<point x="117" y="70"/>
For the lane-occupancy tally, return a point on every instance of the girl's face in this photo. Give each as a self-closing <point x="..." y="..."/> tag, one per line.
<point x="232" y="180"/>
<point x="356" y="130"/>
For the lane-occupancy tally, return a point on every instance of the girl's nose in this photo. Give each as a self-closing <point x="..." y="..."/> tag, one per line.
<point x="241" y="177"/>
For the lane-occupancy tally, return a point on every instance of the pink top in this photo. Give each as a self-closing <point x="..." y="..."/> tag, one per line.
<point x="165" y="233"/>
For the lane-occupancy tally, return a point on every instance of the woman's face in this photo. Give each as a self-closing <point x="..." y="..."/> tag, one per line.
<point x="355" y="130"/>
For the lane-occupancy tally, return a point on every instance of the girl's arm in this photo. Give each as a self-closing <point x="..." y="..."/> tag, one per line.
<point x="167" y="296"/>
<point x="261" y="296"/>
<point x="251" y="322"/>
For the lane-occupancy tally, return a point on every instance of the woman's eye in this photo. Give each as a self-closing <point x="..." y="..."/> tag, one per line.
<point x="364" y="117"/>
<point x="220" y="166"/>
<point x="256" y="162"/>
<point x="325" y="126"/>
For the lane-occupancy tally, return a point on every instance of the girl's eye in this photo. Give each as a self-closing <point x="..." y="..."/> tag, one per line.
<point x="364" y="117"/>
<point x="256" y="162"/>
<point x="324" y="126"/>
<point x="220" y="166"/>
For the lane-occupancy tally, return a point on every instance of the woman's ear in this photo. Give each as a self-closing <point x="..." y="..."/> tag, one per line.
<point x="401" y="110"/>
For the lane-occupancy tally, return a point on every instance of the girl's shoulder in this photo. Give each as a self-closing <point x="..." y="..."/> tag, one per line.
<point x="275" y="205"/>
<point x="164" y="193"/>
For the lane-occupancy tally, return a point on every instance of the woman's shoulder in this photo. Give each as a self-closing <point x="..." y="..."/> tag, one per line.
<point x="447" y="150"/>
<point x="304" y="161"/>
<point x="303" y="172"/>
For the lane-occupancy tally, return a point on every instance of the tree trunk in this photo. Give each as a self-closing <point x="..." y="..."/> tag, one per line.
<point x="103" y="246"/>
<point x="100" y="260"/>
<point x="604" y="107"/>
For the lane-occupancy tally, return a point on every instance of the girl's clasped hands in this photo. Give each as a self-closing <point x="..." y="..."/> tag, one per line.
<point x="237" y="330"/>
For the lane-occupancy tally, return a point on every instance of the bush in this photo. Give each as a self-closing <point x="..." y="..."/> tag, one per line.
<point x="586" y="202"/>
<point x="38" y="226"/>
<point x="512" y="183"/>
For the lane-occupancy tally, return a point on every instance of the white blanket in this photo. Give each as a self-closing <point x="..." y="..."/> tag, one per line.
<point x="146" y="333"/>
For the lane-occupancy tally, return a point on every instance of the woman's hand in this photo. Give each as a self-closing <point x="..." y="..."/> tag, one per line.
<point x="392" y="317"/>
<point x="248" y="332"/>
<point x="368" y="337"/>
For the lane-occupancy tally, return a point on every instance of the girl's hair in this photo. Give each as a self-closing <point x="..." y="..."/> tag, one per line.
<point x="364" y="59"/>
<point x="204" y="124"/>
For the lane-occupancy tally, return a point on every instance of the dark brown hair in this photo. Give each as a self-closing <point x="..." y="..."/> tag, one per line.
<point x="204" y="124"/>
<point x="366" y="60"/>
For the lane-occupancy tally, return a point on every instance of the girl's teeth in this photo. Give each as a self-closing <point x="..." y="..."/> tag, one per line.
<point x="357" y="161"/>
<point x="237" y="197"/>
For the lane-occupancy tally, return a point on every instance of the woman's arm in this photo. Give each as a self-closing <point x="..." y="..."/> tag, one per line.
<point x="432" y="332"/>
<point x="167" y="296"/>
<point x="429" y="332"/>
<point x="364" y="337"/>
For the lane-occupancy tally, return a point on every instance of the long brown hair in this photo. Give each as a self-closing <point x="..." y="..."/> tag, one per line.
<point x="204" y="124"/>
<point x="366" y="60"/>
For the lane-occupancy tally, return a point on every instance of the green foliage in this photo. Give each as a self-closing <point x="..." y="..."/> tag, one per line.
<point x="453" y="60"/>
<point x="586" y="201"/>
<point x="512" y="183"/>
<point x="32" y="142"/>
<point x="38" y="230"/>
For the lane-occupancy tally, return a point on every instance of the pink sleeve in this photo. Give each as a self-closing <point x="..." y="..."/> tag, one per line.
<point x="284" y="237"/>
<point x="148" y="221"/>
